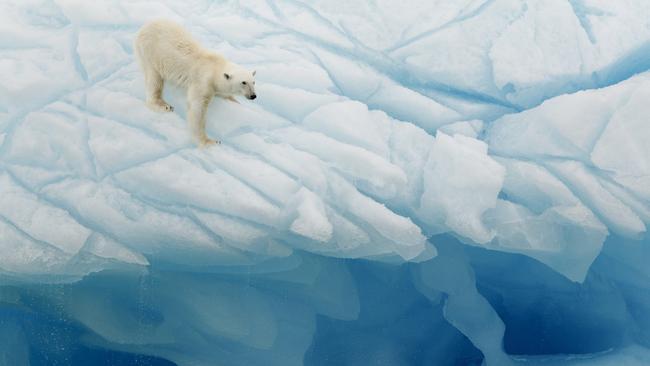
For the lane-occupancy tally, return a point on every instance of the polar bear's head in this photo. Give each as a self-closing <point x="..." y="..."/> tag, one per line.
<point x="241" y="82"/>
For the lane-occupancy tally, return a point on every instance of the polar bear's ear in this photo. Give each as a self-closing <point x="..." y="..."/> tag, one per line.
<point x="254" y="72"/>
<point x="227" y="76"/>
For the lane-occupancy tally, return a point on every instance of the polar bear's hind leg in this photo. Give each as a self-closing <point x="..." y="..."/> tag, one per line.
<point x="154" y="84"/>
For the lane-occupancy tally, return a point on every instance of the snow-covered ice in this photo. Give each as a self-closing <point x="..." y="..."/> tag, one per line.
<point x="418" y="183"/>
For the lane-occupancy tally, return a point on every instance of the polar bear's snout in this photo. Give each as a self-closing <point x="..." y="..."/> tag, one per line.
<point x="249" y="89"/>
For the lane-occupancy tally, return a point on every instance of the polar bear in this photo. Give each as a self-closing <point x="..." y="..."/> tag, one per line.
<point x="167" y="52"/>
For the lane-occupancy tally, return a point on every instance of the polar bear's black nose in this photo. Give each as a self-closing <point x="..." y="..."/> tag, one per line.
<point x="252" y="97"/>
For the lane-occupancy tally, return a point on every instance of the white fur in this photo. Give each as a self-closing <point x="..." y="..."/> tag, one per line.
<point x="167" y="52"/>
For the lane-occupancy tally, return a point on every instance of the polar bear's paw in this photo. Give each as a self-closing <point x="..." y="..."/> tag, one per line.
<point x="160" y="106"/>
<point x="209" y="142"/>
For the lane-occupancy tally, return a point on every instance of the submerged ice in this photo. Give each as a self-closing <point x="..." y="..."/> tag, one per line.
<point x="445" y="182"/>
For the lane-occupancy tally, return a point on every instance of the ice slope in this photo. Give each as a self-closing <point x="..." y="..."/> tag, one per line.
<point x="385" y="134"/>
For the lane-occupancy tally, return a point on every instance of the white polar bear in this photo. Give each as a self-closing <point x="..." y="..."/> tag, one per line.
<point x="167" y="52"/>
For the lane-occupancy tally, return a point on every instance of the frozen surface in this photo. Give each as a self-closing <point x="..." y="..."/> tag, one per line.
<point x="419" y="182"/>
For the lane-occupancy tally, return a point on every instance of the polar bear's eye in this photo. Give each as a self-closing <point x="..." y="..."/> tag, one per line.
<point x="243" y="82"/>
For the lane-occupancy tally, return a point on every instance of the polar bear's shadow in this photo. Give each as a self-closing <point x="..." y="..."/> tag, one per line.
<point x="225" y="118"/>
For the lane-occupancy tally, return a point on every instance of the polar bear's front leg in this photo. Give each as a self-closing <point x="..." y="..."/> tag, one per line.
<point x="197" y="106"/>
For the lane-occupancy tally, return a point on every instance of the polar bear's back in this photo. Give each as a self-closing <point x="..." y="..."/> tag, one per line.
<point x="167" y="47"/>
